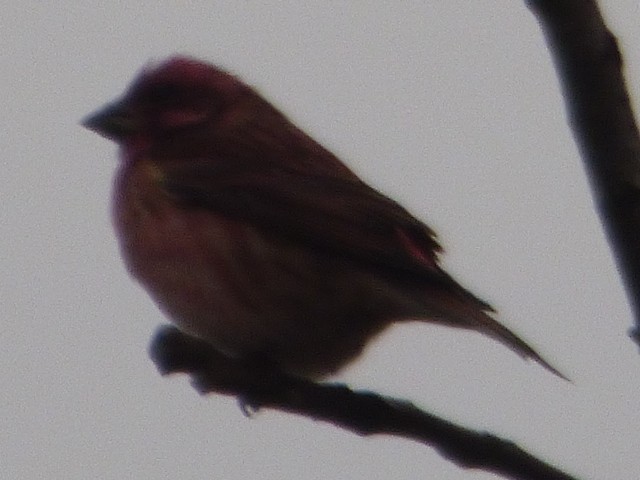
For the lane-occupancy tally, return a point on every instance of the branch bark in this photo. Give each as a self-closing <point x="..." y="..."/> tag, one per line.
<point x="589" y="64"/>
<point x="364" y="413"/>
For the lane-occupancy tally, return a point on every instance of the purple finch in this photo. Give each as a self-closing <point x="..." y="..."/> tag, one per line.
<point x="252" y="236"/>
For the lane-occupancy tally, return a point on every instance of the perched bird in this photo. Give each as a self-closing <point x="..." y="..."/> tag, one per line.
<point x="250" y="235"/>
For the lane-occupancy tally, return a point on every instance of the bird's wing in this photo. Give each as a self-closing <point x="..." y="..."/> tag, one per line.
<point x="343" y="216"/>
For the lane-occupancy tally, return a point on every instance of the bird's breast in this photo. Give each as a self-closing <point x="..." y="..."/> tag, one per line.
<point x="187" y="259"/>
<point x="245" y="292"/>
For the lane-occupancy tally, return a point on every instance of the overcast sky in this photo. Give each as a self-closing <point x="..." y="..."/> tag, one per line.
<point x="450" y="107"/>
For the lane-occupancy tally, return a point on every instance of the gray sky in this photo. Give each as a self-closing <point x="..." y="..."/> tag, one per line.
<point x="450" y="107"/>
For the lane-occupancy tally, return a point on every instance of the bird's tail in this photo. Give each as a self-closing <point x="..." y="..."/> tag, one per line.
<point x="463" y="310"/>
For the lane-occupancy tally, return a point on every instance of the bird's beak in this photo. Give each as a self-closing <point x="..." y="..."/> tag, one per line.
<point x="114" y="121"/>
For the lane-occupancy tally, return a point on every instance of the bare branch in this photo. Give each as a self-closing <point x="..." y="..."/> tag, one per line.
<point x="590" y="67"/>
<point x="365" y="413"/>
<point x="589" y="63"/>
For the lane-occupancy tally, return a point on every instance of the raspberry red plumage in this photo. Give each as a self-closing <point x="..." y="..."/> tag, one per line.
<point x="251" y="235"/>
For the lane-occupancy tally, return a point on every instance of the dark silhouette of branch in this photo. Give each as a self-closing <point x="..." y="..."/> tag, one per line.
<point x="589" y="63"/>
<point x="365" y="413"/>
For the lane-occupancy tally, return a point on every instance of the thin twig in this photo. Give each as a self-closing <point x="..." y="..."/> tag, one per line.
<point x="364" y="413"/>
<point x="589" y="63"/>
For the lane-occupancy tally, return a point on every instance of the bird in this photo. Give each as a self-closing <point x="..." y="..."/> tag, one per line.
<point x="253" y="237"/>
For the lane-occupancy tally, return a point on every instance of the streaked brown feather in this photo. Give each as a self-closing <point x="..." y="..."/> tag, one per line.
<point x="249" y="233"/>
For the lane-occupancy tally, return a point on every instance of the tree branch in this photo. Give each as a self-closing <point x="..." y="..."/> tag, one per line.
<point x="589" y="63"/>
<point x="364" y="413"/>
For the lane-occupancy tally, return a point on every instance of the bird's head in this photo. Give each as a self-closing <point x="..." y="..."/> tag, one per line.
<point x="179" y="93"/>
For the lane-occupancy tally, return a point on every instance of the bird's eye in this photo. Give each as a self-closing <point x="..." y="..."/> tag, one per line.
<point x="170" y="106"/>
<point x="166" y="94"/>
